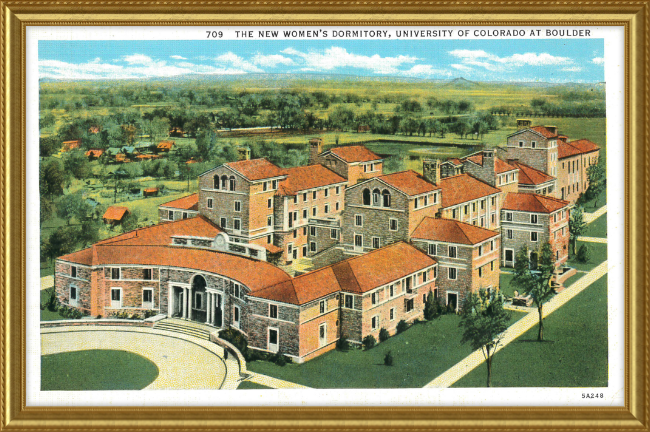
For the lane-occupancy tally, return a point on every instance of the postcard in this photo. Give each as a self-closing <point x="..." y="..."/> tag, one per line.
<point x="323" y="215"/>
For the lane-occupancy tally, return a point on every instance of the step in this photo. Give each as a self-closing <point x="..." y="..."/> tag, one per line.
<point x="203" y="336"/>
<point x="184" y="327"/>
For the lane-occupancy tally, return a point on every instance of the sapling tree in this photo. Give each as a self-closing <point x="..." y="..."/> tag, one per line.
<point x="484" y="321"/>
<point x="577" y="226"/>
<point x="536" y="283"/>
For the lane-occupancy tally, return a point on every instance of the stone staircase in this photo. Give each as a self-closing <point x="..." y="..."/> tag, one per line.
<point x="188" y="328"/>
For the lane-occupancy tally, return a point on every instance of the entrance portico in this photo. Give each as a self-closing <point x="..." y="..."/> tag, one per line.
<point x="196" y="302"/>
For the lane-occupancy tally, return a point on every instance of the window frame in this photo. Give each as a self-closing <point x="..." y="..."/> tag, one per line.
<point x="149" y="290"/>
<point x="208" y="203"/>
<point x="273" y="311"/>
<point x="449" y="273"/>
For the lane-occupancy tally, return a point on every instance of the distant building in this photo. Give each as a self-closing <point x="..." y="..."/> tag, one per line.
<point x="94" y="154"/>
<point x="534" y="181"/>
<point x="70" y="145"/>
<point x="165" y="146"/>
<point x="181" y="208"/>
<point x="354" y="163"/>
<point x="115" y="215"/>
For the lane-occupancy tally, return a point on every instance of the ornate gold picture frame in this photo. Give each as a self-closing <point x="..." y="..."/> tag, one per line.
<point x="18" y="15"/>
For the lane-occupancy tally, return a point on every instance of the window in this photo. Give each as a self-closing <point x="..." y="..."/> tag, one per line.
<point x="374" y="298"/>
<point x="391" y="290"/>
<point x="533" y="218"/>
<point x="73" y="271"/>
<point x="425" y="276"/>
<point x="236" y="320"/>
<point x="452" y="273"/>
<point x="265" y="186"/>
<point x="232" y="183"/>
<point x="237" y="206"/>
<point x="312" y="231"/>
<point x="533" y="144"/>
<point x="304" y="213"/>
<point x="385" y="198"/>
<point x="375" y="197"/>
<point x="236" y="290"/>
<point x="73" y="296"/>
<point x="275" y="184"/>
<point x="366" y="197"/>
<point x="348" y="301"/>
<point x="392" y="224"/>
<point x="375" y="322"/>
<point x="223" y="222"/>
<point x="409" y="305"/>
<point x="333" y="234"/>
<point x="508" y="216"/>
<point x="509" y="234"/>
<point x="326" y="192"/>
<point x="392" y="314"/>
<point x="224" y="182"/>
<point x="435" y="272"/>
<point x="426" y="200"/>
<point x="171" y="215"/>
<point x="473" y="207"/>
<point x="480" y="272"/>
<point x="304" y="197"/>
<point x="415" y="203"/>
<point x="521" y="143"/>
<point x="337" y="206"/>
<point x="533" y="236"/>
<point x="115" y="273"/>
<point x="327" y="208"/>
<point x="375" y="242"/>
<point x="322" y="306"/>
<point x="480" y="250"/>
<point x="494" y="218"/>
<point x="237" y="224"/>
<point x="312" y="246"/>
<point x="215" y="182"/>
<point x="147" y="298"/>
<point x="494" y="201"/>
<point x="273" y="311"/>
<point x="269" y="203"/>
<point x="338" y="190"/>
<point x="295" y="199"/>
<point x="491" y="265"/>
<point x="269" y="220"/>
<point x="435" y="198"/>
<point x="313" y="195"/>
<point x="466" y="210"/>
<point x="358" y="220"/>
<point x="269" y="238"/>
<point x="184" y="215"/>
<point x="483" y="205"/>
<point x="147" y="274"/>
<point x="432" y="249"/>
<point x="365" y="168"/>
<point x="313" y="211"/>
<point x="209" y="203"/>
<point x="453" y="214"/>
<point x="452" y="251"/>
<point x="116" y="298"/>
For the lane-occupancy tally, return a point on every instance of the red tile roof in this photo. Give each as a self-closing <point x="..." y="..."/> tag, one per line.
<point x="462" y="188"/>
<point x="307" y="177"/>
<point x="358" y="275"/>
<point x="574" y="148"/>
<point x="585" y="146"/>
<point x="95" y="152"/>
<point x="256" y="169"/>
<point x="70" y="145"/>
<point x="84" y="257"/>
<point x="115" y="213"/>
<point x="544" y="131"/>
<point x="166" y="145"/>
<point x="409" y="182"/>
<point x="190" y="202"/>
<point x="451" y="231"/>
<point x="529" y="175"/>
<point x="355" y="153"/>
<point x="499" y="165"/>
<point x="533" y="203"/>
<point x="454" y="161"/>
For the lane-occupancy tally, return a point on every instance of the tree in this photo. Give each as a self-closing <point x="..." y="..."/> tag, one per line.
<point x="597" y="181"/>
<point x="484" y="320"/>
<point x="430" y="307"/>
<point x="51" y="178"/>
<point x="76" y="164"/>
<point x="73" y="206"/>
<point x="62" y="241"/>
<point x="341" y="118"/>
<point x="577" y="226"/>
<point x="535" y="282"/>
<point x="130" y="221"/>
<point x="49" y="145"/>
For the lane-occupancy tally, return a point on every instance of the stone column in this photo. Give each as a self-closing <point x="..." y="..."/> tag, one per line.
<point x="189" y="303"/>
<point x="185" y="303"/>
<point x="208" y="301"/>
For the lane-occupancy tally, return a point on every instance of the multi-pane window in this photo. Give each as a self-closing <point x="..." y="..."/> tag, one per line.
<point x="452" y="273"/>
<point x="312" y="246"/>
<point x="115" y="273"/>
<point x="333" y="233"/>
<point x="147" y="274"/>
<point x="312" y="231"/>
<point x="322" y="306"/>
<point x="509" y="216"/>
<point x="509" y="234"/>
<point x="273" y="311"/>
<point x="147" y="298"/>
<point x="209" y="203"/>
<point x="73" y="271"/>
<point x="533" y="236"/>
<point x="170" y="216"/>
<point x="432" y="249"/>
<point x="375" y="242"/>
<point x="348" y="301"/>
<point x="275" y="184"/>
<point x="358" y="220"/>
<point x="392" y="224"/>
<point x="452" y="251"/>
<point x="237" y="206"/>
<point x="533" y="218"/>
<point x="237" y="224"/>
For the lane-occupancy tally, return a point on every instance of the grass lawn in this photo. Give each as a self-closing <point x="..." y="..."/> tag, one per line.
<point x="248" y="385"/>
<point x="598" y="254"/>
<point x="572" y="279"/>
<point x="597" y="228"/>
<point x="573" y="355"/>
<point x="47" y="315"/>
<point x="96" y="370"/>
<point x="420" y="354"/>
<point x="504" y="284"/>
<point x="595" y="203"/>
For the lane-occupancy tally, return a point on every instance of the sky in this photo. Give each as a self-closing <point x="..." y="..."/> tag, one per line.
<point x="531" y="60"/>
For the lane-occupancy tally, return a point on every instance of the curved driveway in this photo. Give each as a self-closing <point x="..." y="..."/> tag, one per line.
<point x="187" y="363"/>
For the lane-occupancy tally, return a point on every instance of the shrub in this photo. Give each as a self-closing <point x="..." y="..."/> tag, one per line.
<point x="383" y="335"/>
<point x="52" y="302"/>
<point x="584" y="253"/>
<point x="238" y="340"/>
<point x="431" y="310"/>
<point x="342" y="344"/>
<point x="149" y="313"/>
<point x="401" y="326"/>
<point x="369" y="341"/>
<point x="388" y="359"/>
<point x="279" y="359"/>
<point x="442" y="310"/>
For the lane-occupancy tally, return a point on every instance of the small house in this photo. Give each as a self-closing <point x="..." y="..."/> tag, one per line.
<point x="115" y="215"/>
<point x="70" y="145"/>
<point x="151" y="191"/>
<point x="165" y="146"/>
<point x="94" y="154"/>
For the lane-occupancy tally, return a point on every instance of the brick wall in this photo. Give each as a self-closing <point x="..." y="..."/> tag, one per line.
<point x="539" y="157"/>
<point x="286" y="323"/>
<point x="223" y="202"/>
<point x="470" y="212"/>
<point x="63" y="281"/>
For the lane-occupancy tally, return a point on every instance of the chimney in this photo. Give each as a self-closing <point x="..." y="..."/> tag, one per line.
<point x="563" y="138"/>
<point x="523" y="124"/>
<point x="315" y="148"/>
<point x="552" y="129"/>
<point x="243" y="153"/>
<point x="431" y="170"/>
<point x="488" y="160"/>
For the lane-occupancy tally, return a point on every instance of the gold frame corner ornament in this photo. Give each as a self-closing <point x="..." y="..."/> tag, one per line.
<point x="18" y="14"/>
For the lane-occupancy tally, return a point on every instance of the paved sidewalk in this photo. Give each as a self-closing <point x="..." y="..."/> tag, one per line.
<point x="592" y="239"/>
<point x="475" y="359"/>
<point x="273" y="382"/>
<point x="590" y="217"/>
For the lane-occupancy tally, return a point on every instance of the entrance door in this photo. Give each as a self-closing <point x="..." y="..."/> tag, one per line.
<point x="273" y="340"/>
<point x="452" y="300"/>
<point x="295" y="254"/>
<point x="358" y="242"/>
<point x="116" y="298"/>
<point x="510" y="259"/>
<point x="219" y="313"/>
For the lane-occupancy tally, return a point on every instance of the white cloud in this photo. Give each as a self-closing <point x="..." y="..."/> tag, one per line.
<point x="598" y="60"/>
<point x="462" y="68"/>
<point x="337" y="57"/>
<point x="177" y="57"/>
<point x="425" y="71"/>
<point x="138" y="59"/>
<point x="272" y="60"/>
<point x="237" y="62"/>
<point x="494" y="63"/>
<point x="572" y="69"/>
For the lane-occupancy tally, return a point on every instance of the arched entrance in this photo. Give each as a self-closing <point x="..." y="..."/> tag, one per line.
<point x="198" y="299"/>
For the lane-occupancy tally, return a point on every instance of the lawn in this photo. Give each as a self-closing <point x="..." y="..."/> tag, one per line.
<point x="248" y="385"/>
<point x="573" y="355"/>
<point x="573" y="279"/>
<point x="504" y="284"/>
<point x="598" y="254"/>
<point x="47" y="315"/>
<point x="597" y="228"/>
<point x="420" y="354"/>
<point x="96" y="370"/>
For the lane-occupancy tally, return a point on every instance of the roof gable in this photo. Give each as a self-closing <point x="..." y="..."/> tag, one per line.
<point x="307" y="177"/>
<point x="451" y="231"/>
<point x="189" y="202"/>
<point x="533" y="203"/>
<point x="463" y="188"/>
<point x="354" y="153"/>
<point x="529" y="175"/>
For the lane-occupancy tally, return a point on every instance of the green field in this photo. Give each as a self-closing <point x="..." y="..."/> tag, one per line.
<point x="47" y="315"/>
<point x="96" y="370"/>
<point x="574" y="353"/>
<point x="420" y="354"/>
<point x="598" y="254"/>
<point x="597" y="228"/>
